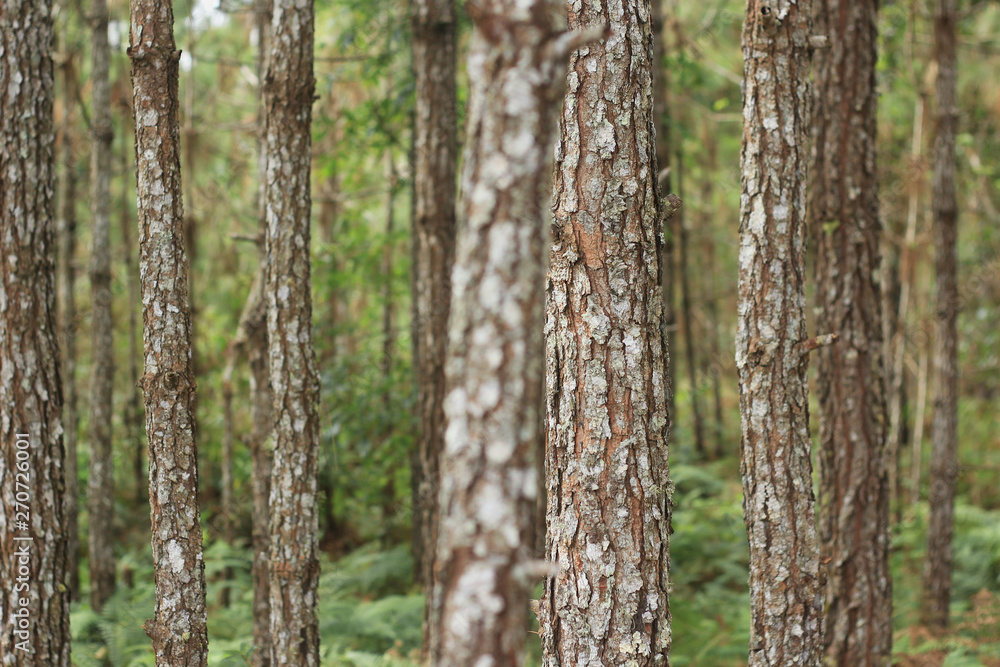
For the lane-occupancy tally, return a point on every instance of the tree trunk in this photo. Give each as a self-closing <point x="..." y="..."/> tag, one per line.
<point x="687" y="316"/>
<point x="661" y="115"/>
<point x="101" y="486"/>
<point x="484" y="572"/>
<point x="944" y="430"/>
<point x="771" y="346"/>
<point x="67" y="321"/>
<point x="844" y="217"/>
<point x="132" y="419"/>
<point x="293" y="568"/>
<point x="388" y="341"/>
<point x="178" y="631"/>
<point x="34" y="604"/>
<point x="433" y="253"/>
<point x="606" y="386"/>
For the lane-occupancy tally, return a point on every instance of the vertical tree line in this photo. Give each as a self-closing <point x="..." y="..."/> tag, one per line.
<point x="772" y="349"/>
<point x="34" y="608"/>
<point x="179" y="628"/>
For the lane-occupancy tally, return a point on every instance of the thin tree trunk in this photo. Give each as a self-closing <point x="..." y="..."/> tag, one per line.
<point x="101" y="486"/>
<point x="944" y="434"/>
<point x="771" y="346"/>
<point x="608" y="500"/>
<point x="34" y="606"/>
<point x="434" y="164"/>
<point x="844" y="217"/>
<point x="711" y="361"/>
<point x="388" y="337"/>
<point x="494" y="367"/>
<point x="67" y="322"/>
<point x="178" y="630"/>
<point x="133" y="410"/>
<point x="897" y="375"/>
<point x="661" y="116"/>
<point x="293" y="569"/>
<point x="918" y="423"/>
<point x="698" y="426"/>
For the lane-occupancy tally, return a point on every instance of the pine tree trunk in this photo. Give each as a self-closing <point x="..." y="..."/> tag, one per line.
<point x="944" y="452"/>
<point x="433" y="254"/>
<point x="494" y="365"/>
<point x="34" y="604"/>
<point x="101" y="485"/>
<point x="178" y="630"/>
<point x="67" y="323"/>
<point x="293" y="568"/>
<point x="132" y="419"/>
<point x="661" y="115"/>
<point x="606" y="384"/>
<point x="844" y="217"/>
<point x="771" y="346"/>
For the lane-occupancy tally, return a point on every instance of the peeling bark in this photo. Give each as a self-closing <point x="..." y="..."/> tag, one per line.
<point x="293" y="567"/>
<point x="434" y="160"/>
<point x="778" y="506"/>
<point x="484" y="573"/>
<point x="101" y="480"/>
<point x="944" y="452"/>
<point x="31" y="430"/>
<point x="178" y="630"/>
<point x="609" y="499"/>
<point x="844" y="217"/>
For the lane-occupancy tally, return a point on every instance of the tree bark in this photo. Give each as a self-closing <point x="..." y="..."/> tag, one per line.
<point x="771" y="346"/>
<point x="34" y="597"/>
<point x="67" y="321"/>
<point x="293" y="568"/>
<point x="484" y="573"/>
<point x="101" y="484"/>
<point x="844" y="216"/>
<point x="609" y="500"/>
<point x="433" y="254"/>
<point x="944" y="452"/>
<point x="178" y="630"/>
<point x="132" y="419"/>
<point x="661" y="111"/>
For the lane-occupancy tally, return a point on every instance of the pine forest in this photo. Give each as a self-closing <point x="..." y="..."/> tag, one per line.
<point x="499" y="333"/>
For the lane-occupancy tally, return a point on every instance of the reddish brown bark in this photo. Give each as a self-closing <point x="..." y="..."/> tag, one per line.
<point x="34" y="597"/>
<point x="178" y="630"/>
<point x="844" y="217"/>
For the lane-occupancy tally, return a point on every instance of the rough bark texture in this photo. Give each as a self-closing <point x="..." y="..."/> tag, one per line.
<point x="844" y="220"/>
<point x="661" y="115"/>
<point x="944" y="434"/>
<point x="261" y="398"/>
<point x="484" y="572"/>
<point x="179" y="629"/>
<point x="34" y="598"/>
<point x="101" y="484"/>
<point x="433" y="254"/>
<point x="67" y="324"/>
<point x="294" y="567"/>
<point x="778" y="505"/>
<point x="606" y="384"/>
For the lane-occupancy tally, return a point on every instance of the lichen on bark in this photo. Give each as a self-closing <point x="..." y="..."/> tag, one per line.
<point x="606" y="384"/>
<point x="293" y="560"/>
<point x="30" y="387"/>
<point x="494" y="365"/>
<point x="779" y="505"/>
<point x="178" y="630"/>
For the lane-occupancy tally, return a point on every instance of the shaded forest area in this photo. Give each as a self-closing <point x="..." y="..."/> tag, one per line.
<point x="389" y="462"/>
